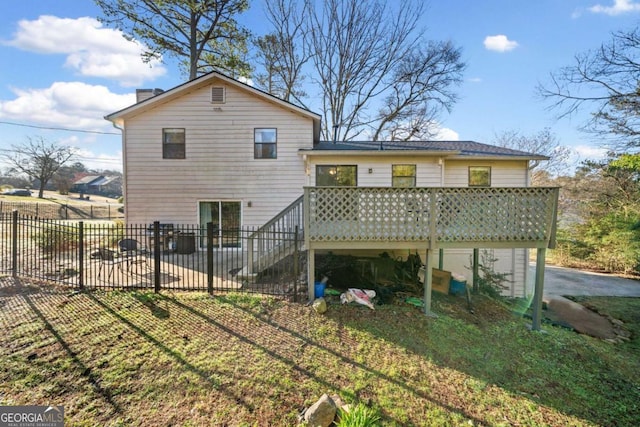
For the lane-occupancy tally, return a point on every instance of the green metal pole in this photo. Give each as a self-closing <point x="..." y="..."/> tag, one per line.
<point x="476" y="268"/>
<point x="428" y="282"/>
<point x="539" y="289"/>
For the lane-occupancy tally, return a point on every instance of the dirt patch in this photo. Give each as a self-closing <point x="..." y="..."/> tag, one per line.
<point x="483" y="310"/>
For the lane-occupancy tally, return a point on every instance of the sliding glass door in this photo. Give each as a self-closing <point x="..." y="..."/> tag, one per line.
<point x="226" y="220"/>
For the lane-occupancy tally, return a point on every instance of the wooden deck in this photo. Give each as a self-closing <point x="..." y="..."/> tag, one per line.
<point x="430" y="219"/>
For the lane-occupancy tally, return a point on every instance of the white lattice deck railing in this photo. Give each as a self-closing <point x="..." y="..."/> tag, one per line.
<point x="441" y="217"/>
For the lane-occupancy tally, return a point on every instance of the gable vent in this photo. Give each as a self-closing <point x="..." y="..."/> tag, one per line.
<point x="217" y="95"/>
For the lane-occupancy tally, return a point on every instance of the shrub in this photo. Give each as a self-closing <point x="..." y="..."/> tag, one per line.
<point x="358" y="416"/>
<point x="490" y="282"/>
<point x="57" y="238"/>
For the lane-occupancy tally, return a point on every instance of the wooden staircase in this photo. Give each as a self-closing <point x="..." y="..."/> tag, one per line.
<point x="279" y="238"/>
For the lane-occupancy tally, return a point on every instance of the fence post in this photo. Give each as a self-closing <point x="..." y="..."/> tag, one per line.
<point x="296" y="261"/>
<point x="156" y="256"/>
<point x="210" y="258"/>
<point x="81" y="255"/>
<point x="14" y="245"/>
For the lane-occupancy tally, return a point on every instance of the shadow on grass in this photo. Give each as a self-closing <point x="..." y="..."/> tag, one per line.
<point x="91" y="376"/>
<point x="557" y="370"/>
<point x="288" y="338"/>
<point x="204" y="375"/>
<point x="577" y="375"/>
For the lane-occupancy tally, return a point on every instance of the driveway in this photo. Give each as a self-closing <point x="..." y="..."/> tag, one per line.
<point x="566" y="281"/>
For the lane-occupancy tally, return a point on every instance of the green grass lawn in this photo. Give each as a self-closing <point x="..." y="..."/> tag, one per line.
<point x="186" y="359"/>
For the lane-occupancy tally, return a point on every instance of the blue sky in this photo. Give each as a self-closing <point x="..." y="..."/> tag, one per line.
<point x="61" y="69"/>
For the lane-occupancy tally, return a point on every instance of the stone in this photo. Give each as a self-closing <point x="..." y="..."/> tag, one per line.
<point x="322" y="413"/>
<point x="617" y="322"/>
<point x="320" y="305"/>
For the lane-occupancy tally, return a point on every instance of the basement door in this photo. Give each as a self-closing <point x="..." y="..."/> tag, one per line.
<point x="226" y="220"/>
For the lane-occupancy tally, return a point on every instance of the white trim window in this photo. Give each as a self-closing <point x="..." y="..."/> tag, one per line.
<point x="479" y="176"/>
<point x="173" y="143"/>
<point x="265" y="142"/>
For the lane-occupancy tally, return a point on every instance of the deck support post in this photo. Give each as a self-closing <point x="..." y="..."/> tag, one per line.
<point x="428" y="282"/>
<point x="476" y="270"/>
<point x="311" y="271"/>
<point x="539" y="289"/>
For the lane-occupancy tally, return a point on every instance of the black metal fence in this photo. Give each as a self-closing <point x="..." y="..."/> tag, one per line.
<point x="94" y="255"/>
<point x="63" y="211"/>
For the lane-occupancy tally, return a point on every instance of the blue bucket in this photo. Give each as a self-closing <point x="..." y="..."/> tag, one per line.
<point x="318" y="289"/>
<point x="457" y="287"/>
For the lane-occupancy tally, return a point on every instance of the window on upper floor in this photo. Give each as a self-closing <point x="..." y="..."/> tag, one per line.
<point x="173" y="143"/>
<point x="336" y="175"/>
<point x="265" y="142"/>
<point x="479" y="176"/>
<point x="403" y="176"/>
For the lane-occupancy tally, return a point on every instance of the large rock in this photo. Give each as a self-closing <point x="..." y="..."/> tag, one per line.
<point x="579" y="318"/>
<point x="322" y="413"/>
<point x="320" y="305"/>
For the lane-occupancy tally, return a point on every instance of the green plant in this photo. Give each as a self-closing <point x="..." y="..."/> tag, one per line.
<point x="358" y="416"/>
<point x="114" y="234"/>
<point x="490" y="282"/>
<point x="57" y="238"/>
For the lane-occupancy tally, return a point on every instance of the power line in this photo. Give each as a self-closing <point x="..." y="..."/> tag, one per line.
<point x="57" y="128"/>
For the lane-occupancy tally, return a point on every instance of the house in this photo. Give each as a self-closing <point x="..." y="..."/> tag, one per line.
<point x="98" y="184"/>
<point x="218" y="150"/>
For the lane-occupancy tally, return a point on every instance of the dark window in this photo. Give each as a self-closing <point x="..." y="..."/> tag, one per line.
<point x="403" y="176"/>
<point x="479" y="176"/>
<point x="173" y="143"/>
<point x="265" y="143"/>
<point x="336" y="176"/>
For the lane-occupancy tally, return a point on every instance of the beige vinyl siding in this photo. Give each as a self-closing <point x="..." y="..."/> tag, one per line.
<point x="427" y="169"/>
<point x="503" y="173"/>
<point x="514" y="262"/>
<point x="219" y="163"/>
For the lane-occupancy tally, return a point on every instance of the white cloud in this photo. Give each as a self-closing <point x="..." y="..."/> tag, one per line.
<point x="444" y="134"/>
<point x="100" y="161"/>
<point x="246" y="80"/>
<point x="586" y="152"/>
<point x="91" y="50"/>
<point x="65" y="105"/>
<point x="499" y="43"/>
<point x="475" y="80"/>
<point x="619" y="7"/>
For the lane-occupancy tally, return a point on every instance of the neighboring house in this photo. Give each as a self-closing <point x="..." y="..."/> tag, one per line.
<point x="217" y="150"/>
<point x="98" y="184"/>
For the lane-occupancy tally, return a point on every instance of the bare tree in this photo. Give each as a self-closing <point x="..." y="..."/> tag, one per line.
<point x="420" y="88"/>
<point x="606" y="79"/>
<point x="374" y="73"/>
<point x="282" y="52"/>
<point x="355" y="45"/>
<point x="544" y="143"/>
<point x="202" y="33"/>
<point x="39" y="159"/>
